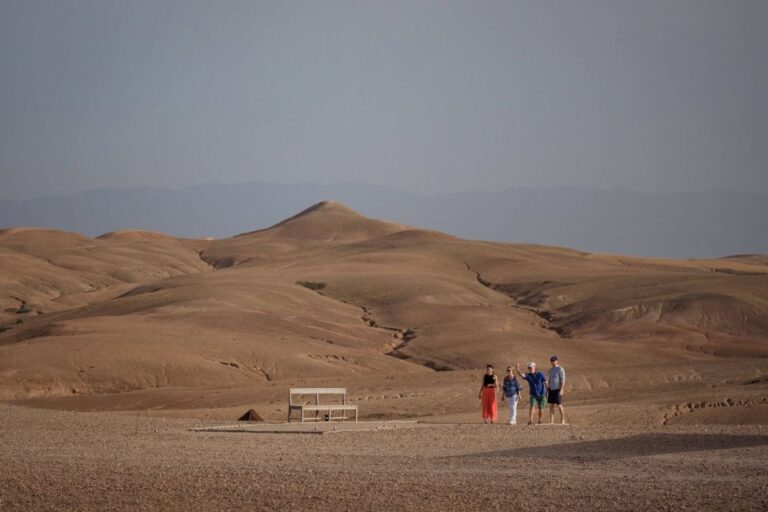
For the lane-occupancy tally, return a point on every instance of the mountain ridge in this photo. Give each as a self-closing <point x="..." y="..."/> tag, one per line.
<point x="675" y="225"/>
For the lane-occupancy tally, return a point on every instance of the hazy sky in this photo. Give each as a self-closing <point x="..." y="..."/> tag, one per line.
<point x="429" y="96"/>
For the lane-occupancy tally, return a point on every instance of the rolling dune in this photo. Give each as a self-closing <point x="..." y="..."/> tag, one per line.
<point x="203" y="327"/>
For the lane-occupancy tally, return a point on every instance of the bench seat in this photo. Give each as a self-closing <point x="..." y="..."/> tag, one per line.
<point x="317" y="407"/>
<point x="327" y="407"/>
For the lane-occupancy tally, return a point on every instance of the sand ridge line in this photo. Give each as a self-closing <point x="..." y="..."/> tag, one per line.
<point x="546" y="316"/>
<point x="404" y="334"/>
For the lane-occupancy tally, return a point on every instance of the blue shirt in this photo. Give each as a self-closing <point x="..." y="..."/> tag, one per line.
<point x="536" y="383"/>
<point x="511" y="387"/>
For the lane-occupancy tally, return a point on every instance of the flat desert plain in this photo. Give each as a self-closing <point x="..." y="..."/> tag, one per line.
<point x="114" y="349"/>
<point x="94" y="461"/>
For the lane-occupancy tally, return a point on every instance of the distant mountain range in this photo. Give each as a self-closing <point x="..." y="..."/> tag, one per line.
<point x="681" y="225"/>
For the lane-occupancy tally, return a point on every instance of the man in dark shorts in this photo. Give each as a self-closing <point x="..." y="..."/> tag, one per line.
<point x="556" y="385"/>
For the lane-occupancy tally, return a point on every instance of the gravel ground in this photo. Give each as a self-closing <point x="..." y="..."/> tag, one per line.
<point x="53" y="460"/>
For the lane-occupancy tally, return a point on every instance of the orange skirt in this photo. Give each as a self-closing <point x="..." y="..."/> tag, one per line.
<point x="489" y="404"/>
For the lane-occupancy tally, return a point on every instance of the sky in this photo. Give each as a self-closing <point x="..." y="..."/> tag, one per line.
<point x="427" y="96"/>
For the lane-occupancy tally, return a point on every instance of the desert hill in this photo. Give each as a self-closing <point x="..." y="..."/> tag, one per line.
<point x="44" y="270"/>
<point x="144" y="320"/>
<point x="678" y="225"/>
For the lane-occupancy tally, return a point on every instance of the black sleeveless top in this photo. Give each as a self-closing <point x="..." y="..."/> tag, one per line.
<point x="489" y="380"/>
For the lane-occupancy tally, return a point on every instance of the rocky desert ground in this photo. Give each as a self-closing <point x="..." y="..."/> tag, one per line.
<point x="96" y="461"/>
<point x="113" y="348"/>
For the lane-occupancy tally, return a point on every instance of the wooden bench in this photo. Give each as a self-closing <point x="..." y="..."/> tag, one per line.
<point x="317" y="407"/>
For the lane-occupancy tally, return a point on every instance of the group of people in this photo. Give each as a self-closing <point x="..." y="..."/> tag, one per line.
<point x="543" y="389"/>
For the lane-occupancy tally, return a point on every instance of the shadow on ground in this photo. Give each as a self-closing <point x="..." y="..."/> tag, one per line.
<point x="632" y="446"/>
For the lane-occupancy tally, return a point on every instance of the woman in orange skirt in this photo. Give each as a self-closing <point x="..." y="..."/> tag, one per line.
<point x="488" y="395"/>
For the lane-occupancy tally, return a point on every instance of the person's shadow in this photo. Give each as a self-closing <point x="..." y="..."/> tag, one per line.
<point x="632" y="446"/>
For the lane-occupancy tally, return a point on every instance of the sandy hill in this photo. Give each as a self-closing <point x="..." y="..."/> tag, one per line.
<point x="320" y="226"/>
<point x="44" y="270"/>
<point x="136" y="319"/>
<point x="135" y="234"/>
<point x="329" y="221"/>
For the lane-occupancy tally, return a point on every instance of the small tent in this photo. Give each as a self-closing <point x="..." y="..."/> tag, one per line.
<point x="251" y="415"/>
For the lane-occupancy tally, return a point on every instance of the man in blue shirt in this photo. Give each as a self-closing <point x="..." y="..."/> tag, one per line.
<point x="537" y="383"/>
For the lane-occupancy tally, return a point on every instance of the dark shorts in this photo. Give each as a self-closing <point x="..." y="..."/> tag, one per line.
<point x="554" y="397"/>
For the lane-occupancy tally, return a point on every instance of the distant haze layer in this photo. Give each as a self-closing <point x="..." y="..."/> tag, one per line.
<point x="712" y="224"/>
<point x="433" y="96"/>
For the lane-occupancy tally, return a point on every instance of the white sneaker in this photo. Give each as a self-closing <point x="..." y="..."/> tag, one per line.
<point x="513" y="423"/>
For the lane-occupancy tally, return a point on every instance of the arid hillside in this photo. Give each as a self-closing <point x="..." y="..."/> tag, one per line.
<point x="403" y="317"/>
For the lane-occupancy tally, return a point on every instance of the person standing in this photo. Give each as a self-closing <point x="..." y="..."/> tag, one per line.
<point x="488" y="395"/>
<point x="511" y="393"/>
<point x="556" y="387"/>
<point x="537" y="384"/>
